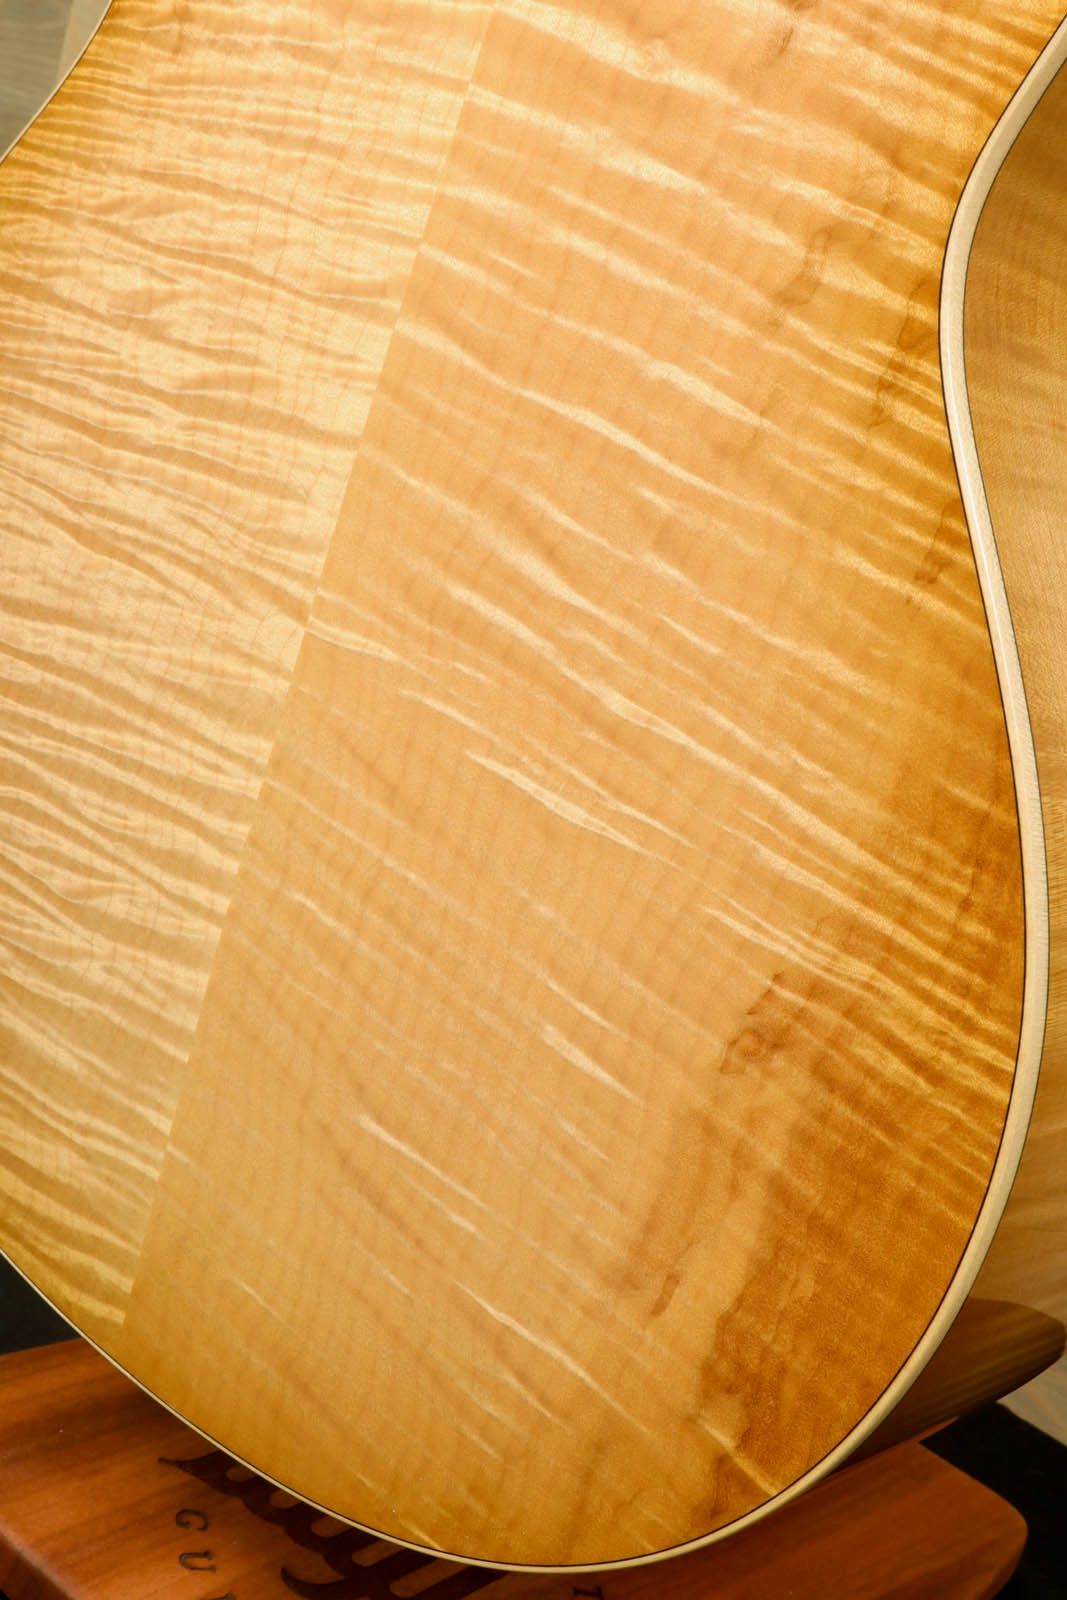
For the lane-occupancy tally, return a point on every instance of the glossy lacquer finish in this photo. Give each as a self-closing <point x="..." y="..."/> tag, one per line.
<point x="510" y="873"/>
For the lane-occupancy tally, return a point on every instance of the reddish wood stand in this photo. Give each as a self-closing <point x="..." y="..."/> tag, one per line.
<point x="105" y="1496"/>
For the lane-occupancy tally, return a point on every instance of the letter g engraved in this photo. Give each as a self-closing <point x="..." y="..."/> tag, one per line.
<point x="193" y="1519"/>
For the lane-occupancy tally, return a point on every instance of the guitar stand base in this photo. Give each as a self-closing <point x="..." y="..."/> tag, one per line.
<point x="106" y="1496"/>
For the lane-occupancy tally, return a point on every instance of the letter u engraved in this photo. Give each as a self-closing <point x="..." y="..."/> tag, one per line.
<point x="197" y="1561"/>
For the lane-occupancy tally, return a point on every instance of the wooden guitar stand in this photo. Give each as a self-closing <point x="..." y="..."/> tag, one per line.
<point x="106" y="1496"/>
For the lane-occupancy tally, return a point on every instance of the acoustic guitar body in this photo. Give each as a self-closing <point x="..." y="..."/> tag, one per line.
<point x="520" y="1010"/>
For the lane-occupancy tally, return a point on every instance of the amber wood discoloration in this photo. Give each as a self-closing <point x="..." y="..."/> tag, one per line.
<point x="1016" y="339"/>
<point x="906" y="1524"/>
<point x="510" y="870"/>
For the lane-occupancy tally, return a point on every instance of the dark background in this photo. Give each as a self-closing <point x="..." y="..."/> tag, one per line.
<point x="1019" y="1462"/>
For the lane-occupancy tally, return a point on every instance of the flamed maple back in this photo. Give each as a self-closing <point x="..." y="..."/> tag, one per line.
<point x="510" y="876"/>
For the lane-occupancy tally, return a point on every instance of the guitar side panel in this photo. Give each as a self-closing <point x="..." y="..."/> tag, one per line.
<point x="1011" y="310"/>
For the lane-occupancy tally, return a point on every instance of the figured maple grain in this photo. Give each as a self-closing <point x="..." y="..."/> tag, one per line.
<point x="510" y="867"/>
<point x="1016" y="335"/>
<point x="201" y="271"/>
